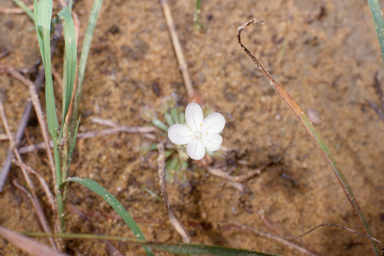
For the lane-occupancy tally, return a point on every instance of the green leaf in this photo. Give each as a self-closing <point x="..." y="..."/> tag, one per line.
<point x="379" y="22"/>
<point x="25" y="9"/>
<point x="175" y="115"/>
<point x="72" y="143"/>
<point x="83" y="61"/>
<point x="169" y="119"/>
<point x="112" y="201"/>
<point x="160" y="125"/>
<point x="70" y="59"/>
<point x="179" y="248"/>
<point x="43" y="29"/>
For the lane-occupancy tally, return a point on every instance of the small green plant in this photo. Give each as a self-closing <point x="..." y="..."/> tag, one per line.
<point x="69" y="124"/>
<point x="176" y="156"/>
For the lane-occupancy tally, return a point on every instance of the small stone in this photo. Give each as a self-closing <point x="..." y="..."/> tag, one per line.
<point x="314" y="116"/>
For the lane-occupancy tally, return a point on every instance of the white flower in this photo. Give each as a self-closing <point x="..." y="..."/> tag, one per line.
<point x="198" y="133"/>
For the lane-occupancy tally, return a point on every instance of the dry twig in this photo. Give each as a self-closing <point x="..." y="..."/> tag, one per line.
<point x="312" y="132"/>
<point x="44" y="184"/>
<point x="163" y="186"/>
<point x="177" y="47"/>
<point x="87" y="135"/>
<point x="36" y="104"/>
<point x="25" y="117"/>
<point x="272" y="237"/>
<point x="14" y="10"/>
<point x="32" y="196"/>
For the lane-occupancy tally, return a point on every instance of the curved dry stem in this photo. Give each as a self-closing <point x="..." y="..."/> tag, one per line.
<point x="334" y="225"/>
<point x="313" y="133"/>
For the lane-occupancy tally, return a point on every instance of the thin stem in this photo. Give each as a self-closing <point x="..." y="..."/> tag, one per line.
<point x="163" y="186"/>
<point x="177" y="47"/>
<point x="25" y="9"/>
<point x="313" y="133"/>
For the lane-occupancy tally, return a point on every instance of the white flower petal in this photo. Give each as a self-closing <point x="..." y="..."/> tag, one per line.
<point x="180" y="134"/>
<point x="194" y="116"/>
<point x="212" y="141"/>
<point x="214" y="123"/>
<point x="195" y="149"/>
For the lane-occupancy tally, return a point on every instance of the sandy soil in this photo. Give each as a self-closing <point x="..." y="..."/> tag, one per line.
<point x="328" y="66"/>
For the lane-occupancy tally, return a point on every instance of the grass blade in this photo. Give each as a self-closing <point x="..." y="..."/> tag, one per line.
<point x="27" y="244"/>
<point x="179" y="248"/>
<point x="119" y="208"/>
<point x="43" y="29"/>
<point x="25" y="9"/>
<point x="379" y="22"/>
<point x="83" y="61"/>
<point x="70" y="59"/>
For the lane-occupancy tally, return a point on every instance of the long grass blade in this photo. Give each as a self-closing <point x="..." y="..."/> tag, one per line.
<point x="25" y="9"/>
<point x="119" y="208"/>
<point x="179" y="248"/>
<point x="70" y="57"/>
<point x="43" y="28"/>
<point x="83" y="61"/>
<point x="379" y="22"/>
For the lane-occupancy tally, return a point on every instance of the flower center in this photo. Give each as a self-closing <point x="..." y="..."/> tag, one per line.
<point x="198" y="135"/>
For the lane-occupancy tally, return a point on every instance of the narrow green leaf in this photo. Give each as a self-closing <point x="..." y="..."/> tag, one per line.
<point x="25" y="9"/>
<point x="152" y="193"/>
<point x="83" y="61"/>
<point x="70" y="59"/>
<point x="119" y="208"/>
<point x="175" y="115"/>
<point x="379" y="22"/>
<point x="181" y="118"/>
<point x="39" y="34"/>
<point x="179" y="248"/>
<point x="160" y="125"/>
<point x="72" y="143"/>
<point x="169" y="119"/>
<point x="43" y="29"/>
<point x="45" y="13"/>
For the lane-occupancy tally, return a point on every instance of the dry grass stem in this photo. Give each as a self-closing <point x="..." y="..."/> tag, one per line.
<point x="58" y="79"/>
<point x="3" y="137"/>
<point x="32" y="195"/>
<point x="44" y="130"/>
<point x="338" y="226"/>
<point x="39" y="112"/>
<point x="19" y="133"/>
<point x="163" y="186"/>
<point x="39" y="212"/>
<point x="177" y="47"/>
<point x="43" y="184"/>
<point x="87" y="135"/>
<point x="14" y="10"/>
<point x="313" y="133"/>
<point x="27" y="244"/>
<point x="275" y="238"/>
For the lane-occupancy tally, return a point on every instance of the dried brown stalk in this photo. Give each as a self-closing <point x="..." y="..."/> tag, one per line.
<point x="275" y="238"/>
<point x="36" y="104"/>
<point x="43" y="184"/>
<point x="87" y="135"/>
<point x="27" y="244"/>
<point x="14" y="10"/>
<point x="177" y="47"/>
<point x="32" y="195"/>
<point x="313" y="133"/>
<point x="163" y="186"/>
